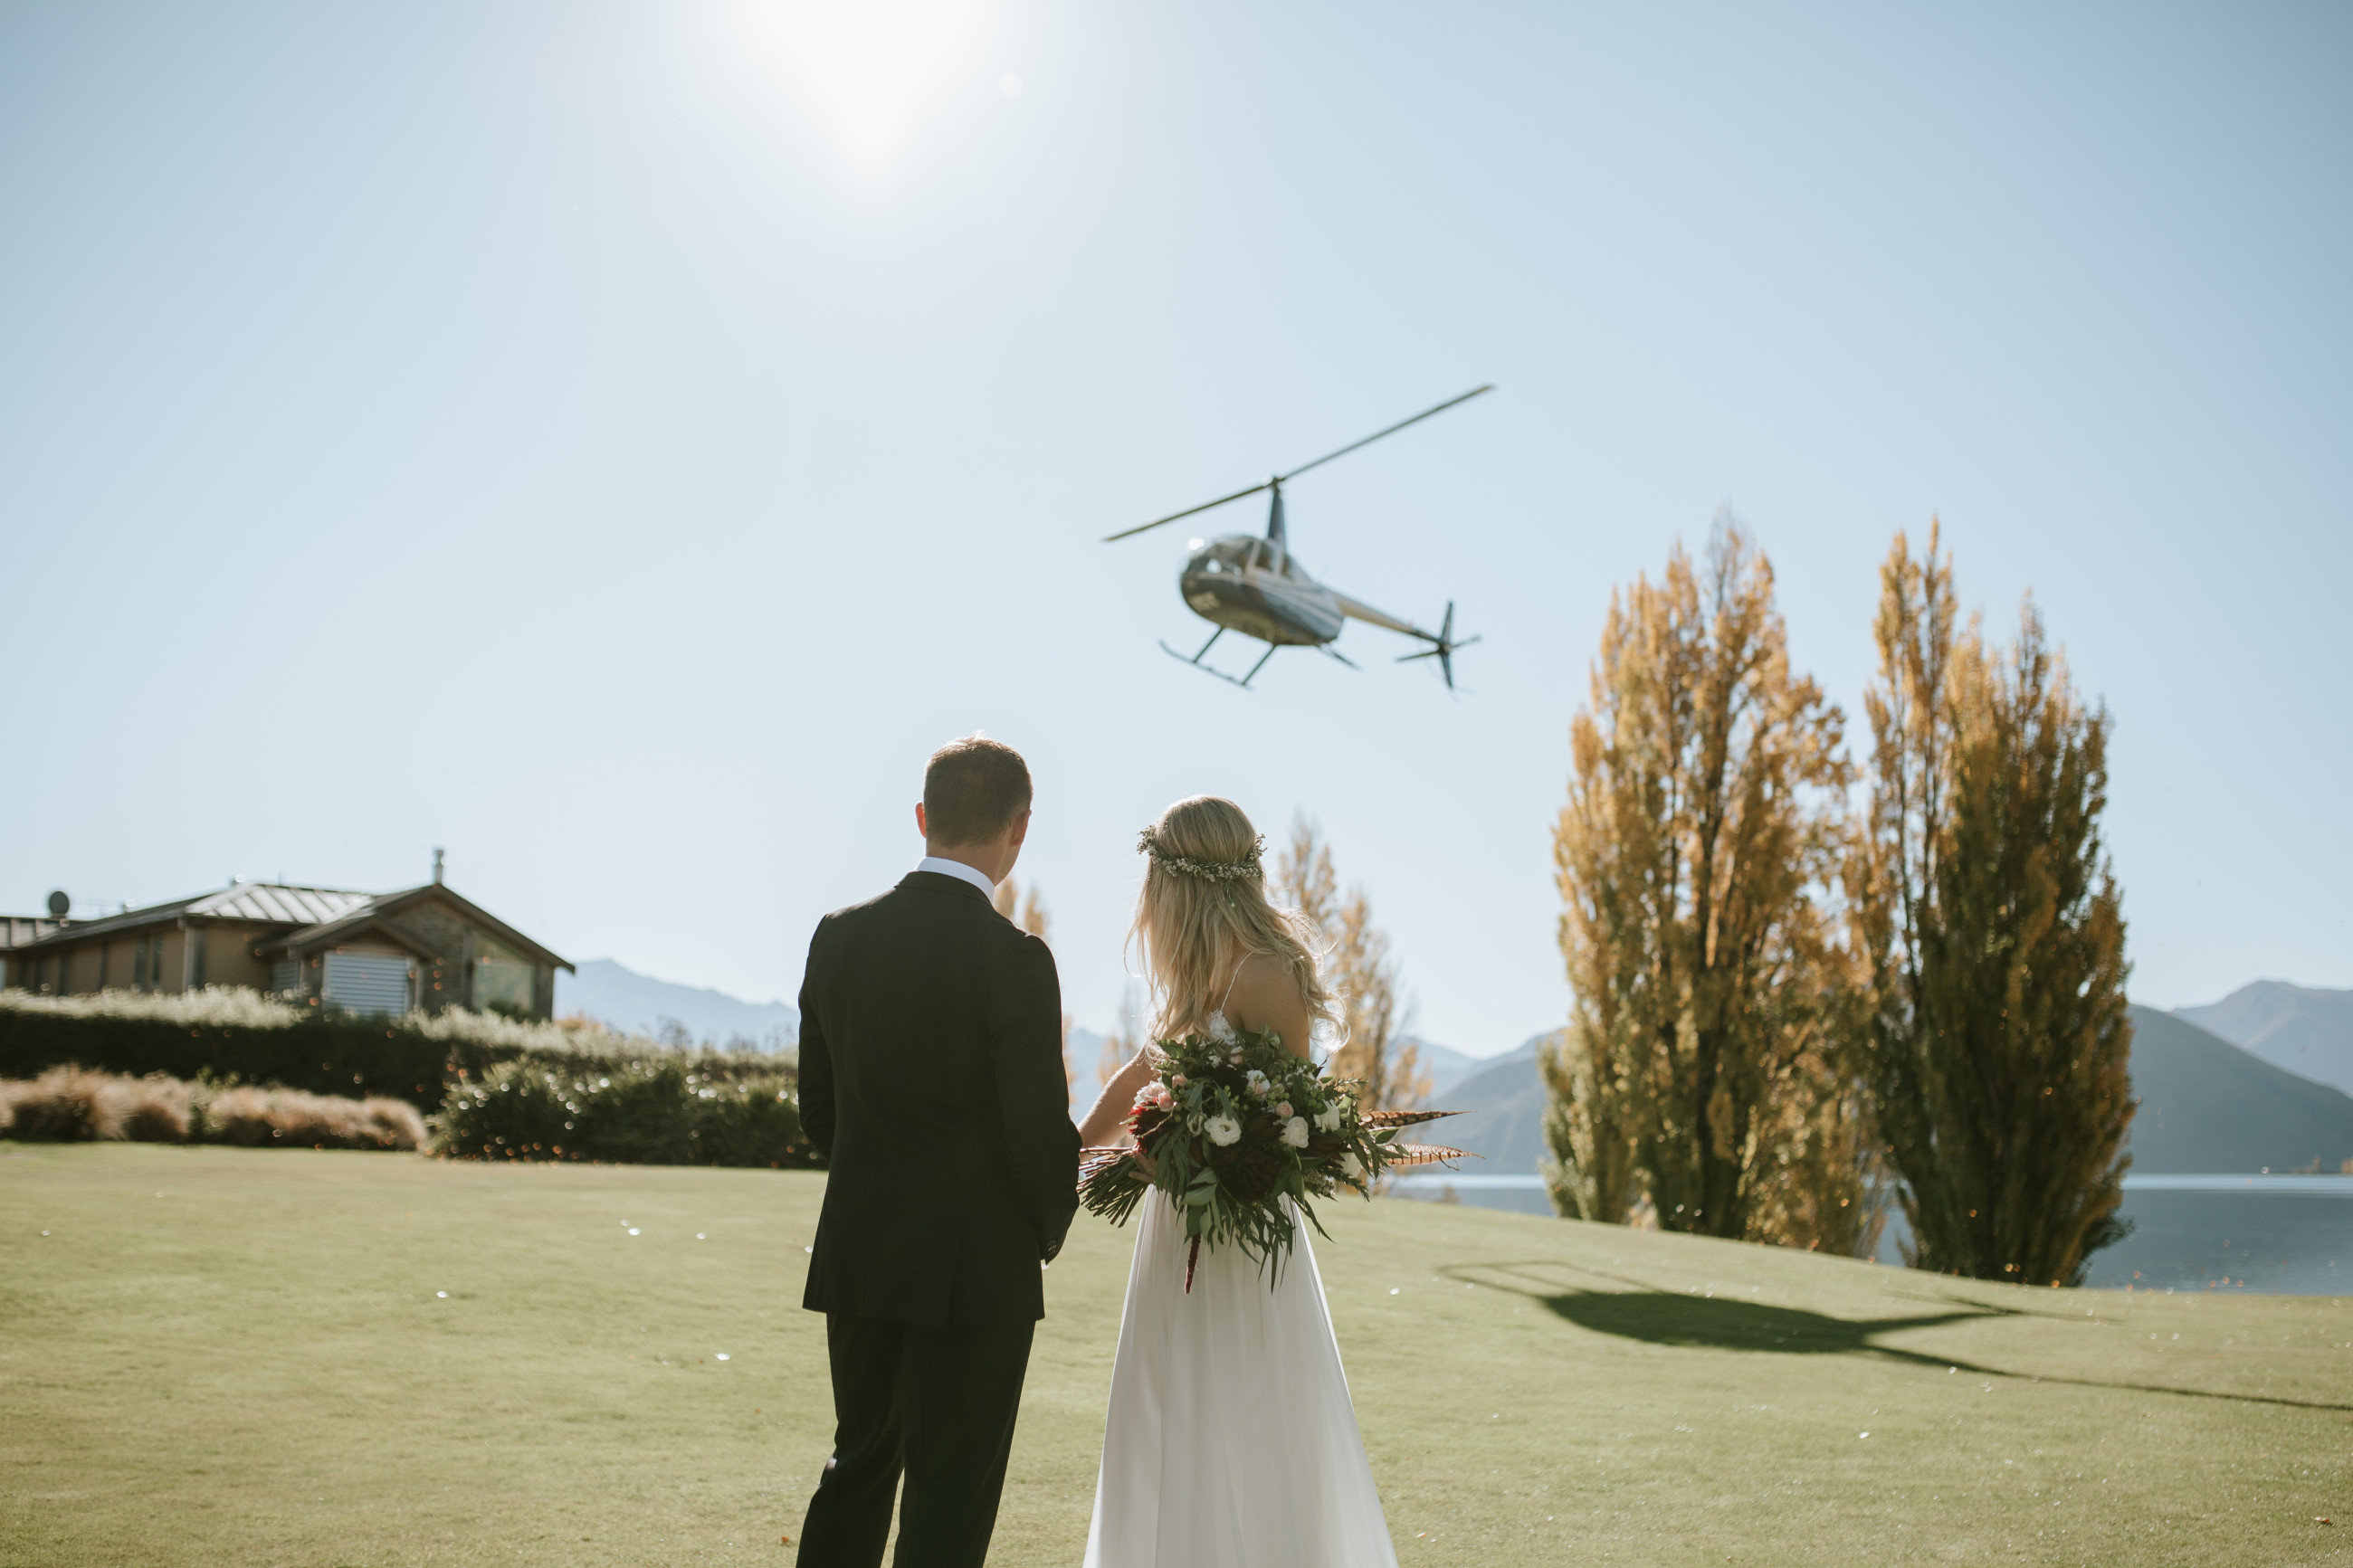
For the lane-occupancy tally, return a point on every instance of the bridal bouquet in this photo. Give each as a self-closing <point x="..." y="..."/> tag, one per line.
<point x="1232" y="1125"/>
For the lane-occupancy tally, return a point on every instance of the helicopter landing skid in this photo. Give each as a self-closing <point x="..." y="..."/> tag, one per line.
<point x="1196" y="661"/>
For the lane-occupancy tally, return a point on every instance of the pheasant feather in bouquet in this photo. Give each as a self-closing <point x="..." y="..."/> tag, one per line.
<point x="1232" y="1124"/>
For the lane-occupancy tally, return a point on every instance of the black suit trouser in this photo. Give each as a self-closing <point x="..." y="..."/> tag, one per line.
<point x="936" y="1403"/>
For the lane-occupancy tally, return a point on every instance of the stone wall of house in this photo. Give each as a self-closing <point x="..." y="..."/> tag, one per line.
<point x="449" y="982"/>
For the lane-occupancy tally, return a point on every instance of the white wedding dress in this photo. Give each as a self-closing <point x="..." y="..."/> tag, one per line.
<point x="1231" y="1440"/>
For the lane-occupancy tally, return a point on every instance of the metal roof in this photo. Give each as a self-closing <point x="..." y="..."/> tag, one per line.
<point x="380" y="910"/>
<point x="219" y="905"/>
<point x="310" y="915"/>
<point x="276" y="904"/>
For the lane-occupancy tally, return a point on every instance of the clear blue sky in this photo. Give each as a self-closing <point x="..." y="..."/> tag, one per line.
<point x="619" y="441"/>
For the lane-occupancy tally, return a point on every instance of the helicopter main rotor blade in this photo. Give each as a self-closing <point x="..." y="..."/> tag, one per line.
<point x="1285" y="479"/>
<point x="1369" y="440"/>
<point x="1205" y="506"/>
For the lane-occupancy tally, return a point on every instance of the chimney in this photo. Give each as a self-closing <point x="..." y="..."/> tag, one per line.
<point x="436" y="866"/>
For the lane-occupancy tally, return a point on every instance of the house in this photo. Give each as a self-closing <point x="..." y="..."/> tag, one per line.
<point x="422" y="949"/>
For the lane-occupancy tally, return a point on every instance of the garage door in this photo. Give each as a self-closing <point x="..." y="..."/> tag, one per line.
<point x="367" y="982"/>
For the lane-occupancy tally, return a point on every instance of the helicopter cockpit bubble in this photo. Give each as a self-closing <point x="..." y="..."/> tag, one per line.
<point x="1228" y="554"/>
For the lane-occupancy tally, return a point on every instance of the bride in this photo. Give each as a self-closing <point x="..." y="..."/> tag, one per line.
<point x="1231" y="1441"/>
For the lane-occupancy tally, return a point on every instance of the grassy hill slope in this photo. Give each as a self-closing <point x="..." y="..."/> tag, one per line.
<point x="2207" y="1105"/>
<point x="230" y="1356"/>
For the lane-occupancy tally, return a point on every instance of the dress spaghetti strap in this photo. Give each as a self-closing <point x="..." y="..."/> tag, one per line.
<point x="1230" y="985"/>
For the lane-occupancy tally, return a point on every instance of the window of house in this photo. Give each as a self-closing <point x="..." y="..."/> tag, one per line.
<point x="370" y="982"/>
<point x="502" y="987"/>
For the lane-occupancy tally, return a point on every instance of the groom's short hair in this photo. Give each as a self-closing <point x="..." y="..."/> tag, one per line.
<point x="973" y="789"/>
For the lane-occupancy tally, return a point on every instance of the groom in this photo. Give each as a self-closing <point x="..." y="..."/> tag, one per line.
<point x="931" y="1081"/>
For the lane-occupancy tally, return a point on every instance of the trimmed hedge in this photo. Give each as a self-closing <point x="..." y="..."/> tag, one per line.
<point x="651" y="1112"/>
<point x="239" y="1035"/>
<point x="251" y="1039"/>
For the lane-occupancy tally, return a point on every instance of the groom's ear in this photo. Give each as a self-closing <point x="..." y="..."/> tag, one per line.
<point x="1021" y="827"/>
<point x="921" y="827"/>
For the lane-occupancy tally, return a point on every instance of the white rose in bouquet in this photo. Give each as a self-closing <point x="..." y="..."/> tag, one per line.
<point x="1352" y="1167"/>
<point x="1328" y="1118"/>
<point x="1294" y="1133"/>
<point x="1224" y="1130"/>
<point x="1257" y="1082"/>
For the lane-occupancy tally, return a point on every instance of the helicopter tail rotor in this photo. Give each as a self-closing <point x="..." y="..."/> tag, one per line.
<point x="1442" y="645"/>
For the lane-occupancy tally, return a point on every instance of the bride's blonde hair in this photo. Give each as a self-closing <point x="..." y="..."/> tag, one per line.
<point x="1203" y="886"/>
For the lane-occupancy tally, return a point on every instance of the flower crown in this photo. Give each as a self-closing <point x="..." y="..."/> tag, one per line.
<point x="1207" y="870"/>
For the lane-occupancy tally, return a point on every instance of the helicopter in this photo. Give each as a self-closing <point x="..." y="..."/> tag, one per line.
<point x="1241" y="583"/>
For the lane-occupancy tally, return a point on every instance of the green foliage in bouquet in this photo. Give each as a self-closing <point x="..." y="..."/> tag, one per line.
<point x="1233" y="1125"/>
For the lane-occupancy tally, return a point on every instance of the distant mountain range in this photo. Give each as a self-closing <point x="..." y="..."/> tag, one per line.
<point x="2306" y="1030"/>
<point x="2207" y="1105"/>
<point x="1445" y="1066"/>
<point x="639" y="1004"/>
<point x="1501" y="1103"/>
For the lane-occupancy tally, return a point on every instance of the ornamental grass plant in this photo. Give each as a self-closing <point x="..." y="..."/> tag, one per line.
<point x="67" y="1105"/>
<point x="71" y="1105"/>
<point x="255" y="1118"/>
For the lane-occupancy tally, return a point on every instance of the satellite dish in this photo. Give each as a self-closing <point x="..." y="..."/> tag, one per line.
<point x="60" y="904"/>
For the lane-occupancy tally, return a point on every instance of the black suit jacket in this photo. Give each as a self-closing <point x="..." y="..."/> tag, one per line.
<point x="931" y="1079"/>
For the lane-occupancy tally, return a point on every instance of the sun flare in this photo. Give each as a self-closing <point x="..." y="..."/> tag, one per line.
<point x="868" y="71"/>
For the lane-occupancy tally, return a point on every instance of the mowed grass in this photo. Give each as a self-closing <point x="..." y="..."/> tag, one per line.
<point x="223" y="1356"/>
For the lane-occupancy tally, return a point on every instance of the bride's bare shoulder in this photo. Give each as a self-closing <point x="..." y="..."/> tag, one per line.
<point x="1266" y="996"/>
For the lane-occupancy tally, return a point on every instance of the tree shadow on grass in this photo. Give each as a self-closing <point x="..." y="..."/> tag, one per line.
<point x="1684" y="1322"/>
<point x="1663" y="1317"/>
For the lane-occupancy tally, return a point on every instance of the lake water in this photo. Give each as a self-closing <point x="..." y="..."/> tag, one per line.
<point x="2282" y="1235"/>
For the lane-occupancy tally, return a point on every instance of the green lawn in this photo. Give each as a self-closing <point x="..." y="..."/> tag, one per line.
<point x="221" y="1356"/>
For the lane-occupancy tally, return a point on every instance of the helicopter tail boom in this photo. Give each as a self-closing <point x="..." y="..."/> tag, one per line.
<point x="1442" y="642"/>
<point x="1357" y="611"/>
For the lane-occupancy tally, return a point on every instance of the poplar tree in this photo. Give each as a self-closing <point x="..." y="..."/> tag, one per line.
<point x="1357" y="966"/>
<point x="1702" y="1065"/>
<point x="1989" y="934"/>
<point x="1121" y="1045"/>
<point x="1028" y="911"/>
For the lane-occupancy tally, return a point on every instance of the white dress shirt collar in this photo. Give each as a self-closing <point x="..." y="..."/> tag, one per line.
<point x="947" y="868"/>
